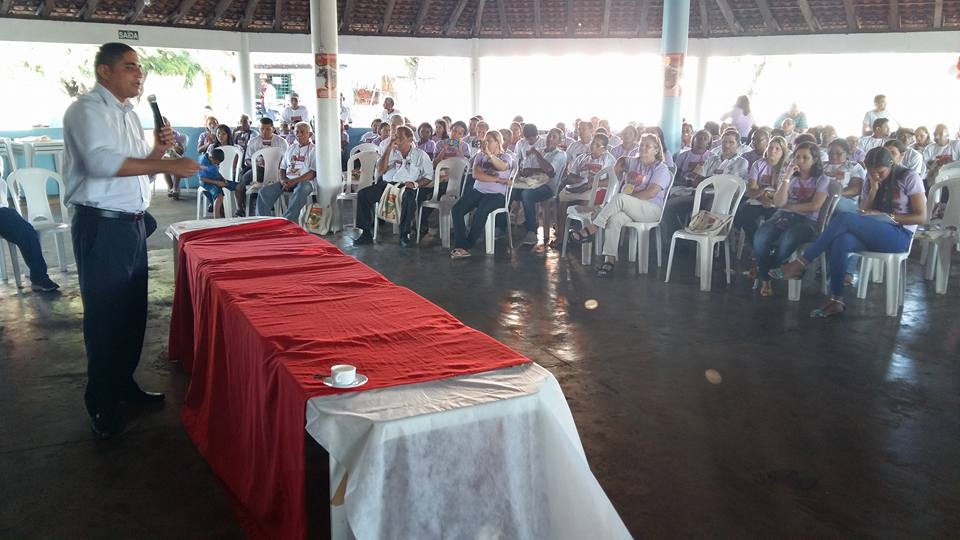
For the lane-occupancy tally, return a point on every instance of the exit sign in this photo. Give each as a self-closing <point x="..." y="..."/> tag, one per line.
<point x="131" y="35"/>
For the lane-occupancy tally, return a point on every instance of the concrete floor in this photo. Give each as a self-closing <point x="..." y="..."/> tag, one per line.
<point x="841" y="428"/>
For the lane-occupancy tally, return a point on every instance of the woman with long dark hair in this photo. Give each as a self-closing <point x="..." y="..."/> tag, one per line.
<point x="740" y="118"/>
<point x="892" y="205"/>
<point x="441" y="130"/>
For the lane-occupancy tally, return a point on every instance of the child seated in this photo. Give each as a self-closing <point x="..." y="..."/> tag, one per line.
<point x="212" y="182"/>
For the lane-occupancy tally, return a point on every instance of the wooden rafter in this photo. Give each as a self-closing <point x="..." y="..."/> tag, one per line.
<point x="571" y="28"/>
<point x="46" y="8"/>
<point x="136" y="11"/>
<point x="218" y="12"/>
<point x="938" y="14"/>
<point x="248" y="13"/>
<point x="421" y="16"/>
<point x="454" y="17"/>
<point x="537" y="19"/>
<point x="704" y="18"/>
<point x="731" y="19"/>
<point x="894" y="15"/>
<point x="387" y="16"/>
<point x="851" y="12"/>
<point x="5" y="6"/>
<point x="768" y="18"/>
<point x="478" y="22"/>
<point x="504" y="23"/>
<point x="347" y="18"/>
<point x="605" y="29"/>
<point x="808" y="15"/>
<point x="644" y="21"/>
<point x="88" y="9"/>
<point x="181" y="11"/>
<point x="278" y="15"/>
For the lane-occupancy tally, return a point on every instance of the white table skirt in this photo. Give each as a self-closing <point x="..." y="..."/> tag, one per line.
<point x="492" y="455"/>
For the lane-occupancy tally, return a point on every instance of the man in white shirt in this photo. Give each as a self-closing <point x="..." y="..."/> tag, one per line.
<point x="542" y="161"/>
<point x="585" y="132"/>
<point x="879" y="111"/>
<point x="297" y="171"/>
<point x="880" y="132"/>
<point x="266" y="139"/>
<point x="295" y="112"/>
<point x="15" y="229"/>
<point x="107" y="168"/>
<point x="405" y="164"/>
<point x="388" y="110"/>
<point x="373" y="133"/>
<point x="346" y="116"/>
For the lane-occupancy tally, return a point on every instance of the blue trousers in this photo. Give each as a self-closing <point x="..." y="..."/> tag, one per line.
<point x="854" y="232"/>
<point x="481" y="204"/>
<point x="269" y="195"/>
<point x="529" y="199"/>
<point x="778" y="238"/>
<point x="15" y="229"/>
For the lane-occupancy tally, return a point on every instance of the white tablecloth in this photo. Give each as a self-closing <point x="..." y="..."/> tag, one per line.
<point x="492" y="455"/>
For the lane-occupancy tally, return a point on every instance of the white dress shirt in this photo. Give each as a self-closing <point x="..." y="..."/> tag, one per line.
<point x="415" y="166"/>
<point x="715" y="164"/>
<point x="99" y="134"/>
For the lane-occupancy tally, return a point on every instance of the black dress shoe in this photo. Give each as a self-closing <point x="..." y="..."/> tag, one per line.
<point x="142" y="397"/>
<point x="103" y="425"/>
<point x="363" y="240"/>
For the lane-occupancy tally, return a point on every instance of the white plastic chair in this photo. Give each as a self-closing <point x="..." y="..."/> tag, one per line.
<point x="31" y="183"/>
<point x="490" y="227"/>
<point x="364" y="147"/>
<point x="639" y="248"/>
<point x="727" y="192"/>
<point x="368" y="175"/>
<point x="8" y="246"/>
<point x="944" y="236"/>
<point x="6" y="152"/>
<point x="272" y="155"/>
<point x="928" y="245"/>
<point x="894" y="267"/>
<point x="795" y="286"/>
<point x="456" y="168"/>
<point x="584" y="213"/>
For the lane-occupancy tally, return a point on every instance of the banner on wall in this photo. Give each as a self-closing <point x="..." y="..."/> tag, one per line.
<point x="672" y="74"/>
<point x="326" y="74"/>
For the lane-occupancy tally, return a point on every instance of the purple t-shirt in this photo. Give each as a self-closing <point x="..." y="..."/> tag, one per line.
<point x="638" y="177"/>
<point x="428" y="146"/>
<point x="619" y="151"/>
<point x="690" y="163"/>
<point x="803" y="191"/>
<point x="909" y="184"/>
<point x="449" y="148"/>
<point x="483" y="162"/>
<point x="762" y="173"/>
<point x="743" y="122"/>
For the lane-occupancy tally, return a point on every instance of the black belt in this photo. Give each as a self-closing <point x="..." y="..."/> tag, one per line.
<point x="109" y="214"/>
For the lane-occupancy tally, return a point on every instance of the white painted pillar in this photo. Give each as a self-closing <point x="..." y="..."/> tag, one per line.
<point x="703" y="68"/>
<point x="323" y="34"/>
<point x="246" y="78"/>
<point x="475" y="76"/>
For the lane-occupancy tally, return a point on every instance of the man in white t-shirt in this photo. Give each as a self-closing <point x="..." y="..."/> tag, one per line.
<point x="880" y="132"/>
<point x="879" y="111"/>
<point x="297" y="171"/>
<point x="295" y="112"/>
<point x="388" y="110"/>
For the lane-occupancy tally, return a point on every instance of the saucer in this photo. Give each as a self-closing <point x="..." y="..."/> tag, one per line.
<point x="359" y="381"/>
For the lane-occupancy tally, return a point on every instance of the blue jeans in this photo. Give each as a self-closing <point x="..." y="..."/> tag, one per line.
<point x="14" y="228"/>
<point x="778" y="238"/>
<point x="854" y="232"/>
<point x="529" y="199"/>
<point x="269" y="195"/>
<point x="481" y="204"/>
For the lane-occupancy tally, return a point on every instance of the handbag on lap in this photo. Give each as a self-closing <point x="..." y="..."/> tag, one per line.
<point x="389" y="207"/>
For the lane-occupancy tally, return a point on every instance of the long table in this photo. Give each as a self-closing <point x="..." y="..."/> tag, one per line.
<point x="454" y="436"/>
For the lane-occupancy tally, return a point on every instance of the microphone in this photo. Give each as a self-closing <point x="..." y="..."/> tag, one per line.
<point x="157" y="117"/>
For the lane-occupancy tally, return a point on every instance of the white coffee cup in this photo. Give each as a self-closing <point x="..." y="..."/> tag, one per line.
<point x="343" y="374"/>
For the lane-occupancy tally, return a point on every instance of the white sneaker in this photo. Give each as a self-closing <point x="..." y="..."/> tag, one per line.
<point x="530" y="239"/>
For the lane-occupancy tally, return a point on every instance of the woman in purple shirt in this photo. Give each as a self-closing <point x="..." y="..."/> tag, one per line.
<point x="762" y="182"/>
<point x="799" y="200"/>
<point x="426" y="142"/>
<point x="892" y="204"/>
<point x="741" y="118"/>
<point x="492" y="172"/>
<point x="629" y="146"/>
<point x="441" y="131"/>
<point x="645" y="182"/>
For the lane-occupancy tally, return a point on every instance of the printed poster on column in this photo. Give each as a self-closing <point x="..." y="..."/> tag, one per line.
<point x="326" y="73"/>
<point x="672" y="74"/>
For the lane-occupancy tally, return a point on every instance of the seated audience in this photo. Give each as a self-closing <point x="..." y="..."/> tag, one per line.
<point x="542" y="161"/>
<point x="856" y="153"/>
<point x="713" y="129"/>
<point x="585" y="132"/>
<point x="267" y="139"/>
<point x="922" y="139"/>
<point x="455" y="146"/>
<point x="508" y="142"/>
<point x="758" y="146"/>
<point x="686" y="136"/>
<point x="212" y="182"/>
<point x="241" y="135"/>
<point x="492" y="170"/>
<point x="847" y="172"/>
<point x="645" y="180"/>
<point x="426" y="142"/>
<point x="395" y="122"/>
<point x="789" y="132"/>
<point x="297" y="172"/>
<point x="296" y="112"/>
<point x="763" y="179"/>
<point x="798" y="199"/>
<point x="942" y="149"/>
<point x="516" y="133"/>
<point x="374" y="132"/>
<point x="441" y="131"/>
<point x="15" y="229"/>
<point x="629" y="146"/>
<point x="740" y="118"/>
<point x="892" y="205"/>
<point x="905" y="156"/>
<point x="667" y="156"/>
<point x="580" y="174"/>
<point x="208" y="136"/>
<point x="728" y="160"/>
<point x="383" y="134"/>
<point x="827" y="135"/>
<point x="799" y="118"/>
<point x="388" y="111"/>
<point x="690" y="163"/>
<point x="879" y="134"/>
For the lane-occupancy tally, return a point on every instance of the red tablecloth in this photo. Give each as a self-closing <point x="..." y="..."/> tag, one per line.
<point x="262" y="308"/>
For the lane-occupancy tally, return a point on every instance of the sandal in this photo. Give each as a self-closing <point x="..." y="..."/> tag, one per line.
<point x="459" y="253"/>
<point x="791" y="270"/>
<point x="766" y="289"/>
<point x="834" y="306"/>
<point x="605" y="270"/>
<point x="751" y="273"/>
<point x="580" y="236"/>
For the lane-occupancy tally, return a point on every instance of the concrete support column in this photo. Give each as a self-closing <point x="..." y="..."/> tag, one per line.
<point x="475" y="76"/>
<point x="703" y="69"/>
<point x="246" y="79"/>
<point x="676" y="23"/>
<point x="323" y="34"/>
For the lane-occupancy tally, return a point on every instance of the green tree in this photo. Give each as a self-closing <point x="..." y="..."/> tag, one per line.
<point x="167" y="63"/>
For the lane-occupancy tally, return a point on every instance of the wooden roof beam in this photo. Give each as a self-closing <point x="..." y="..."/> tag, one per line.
<point x="478" y="22"/>
<point x="571" y="28"/>
<point x="727" y="11"/>
<point x="938" y="14"/>
<point x="218" y="12"/>
<point x="644" y="20"/>
<point x="136" y="11"/>
<point x="454" y="17"/>
<point x="181" y="11"/>
<point x="704" y="19"/>
<point x="893" y="15"/>
<point x="46" y="8"/>
<point x="537" y="19"/>
<point x="421" y="16"/>
<point x="5" y="6"/>
<point x="768" y="18"/>
<point x="852" y="24"/>
<point x="504" y="24"/>
<point x="88" y="9"/>
<point x="347" y="18"/>
<point x="248" y="13"/>
<point x="605" y="29"/>
<point x="387" y="16"/>
<point x="278" y="15"/>
<point x="808" y="15"/>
